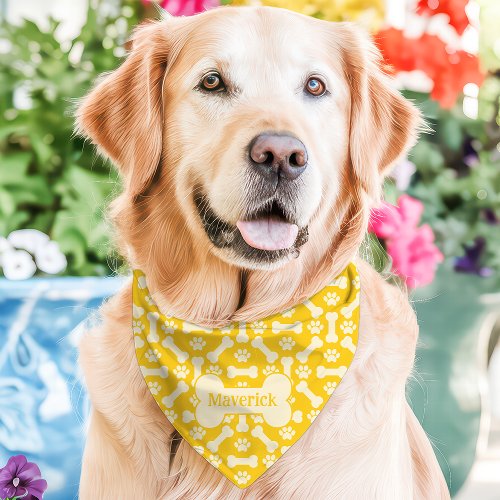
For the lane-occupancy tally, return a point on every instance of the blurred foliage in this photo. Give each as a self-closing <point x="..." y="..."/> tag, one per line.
<point x="50" y="180"/>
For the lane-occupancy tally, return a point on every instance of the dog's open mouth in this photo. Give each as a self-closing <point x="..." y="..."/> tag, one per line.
<point x="269" y="229"/>
<point x="267" y="234"/>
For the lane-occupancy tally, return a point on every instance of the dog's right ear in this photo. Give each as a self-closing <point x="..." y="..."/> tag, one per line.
<point x="123" y="113"/>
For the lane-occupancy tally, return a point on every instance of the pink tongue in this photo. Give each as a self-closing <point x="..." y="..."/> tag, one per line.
<point x="268" y="233"/>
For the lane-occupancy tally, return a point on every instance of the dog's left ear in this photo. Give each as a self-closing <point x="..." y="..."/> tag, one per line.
<point x="383" y="124"/>
<point x="123" y="113"/>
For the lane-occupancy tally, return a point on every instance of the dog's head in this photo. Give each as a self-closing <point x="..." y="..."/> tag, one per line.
<point x="248" y="133"/>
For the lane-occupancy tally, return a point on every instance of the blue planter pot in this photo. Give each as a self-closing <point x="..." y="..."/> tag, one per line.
<point x="42" y="402"/>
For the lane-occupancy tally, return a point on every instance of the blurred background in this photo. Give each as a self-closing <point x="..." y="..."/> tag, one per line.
<point x="439" y="230"/>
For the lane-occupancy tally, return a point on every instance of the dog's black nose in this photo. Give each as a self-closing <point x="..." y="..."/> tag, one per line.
<point x="278" y="155"/>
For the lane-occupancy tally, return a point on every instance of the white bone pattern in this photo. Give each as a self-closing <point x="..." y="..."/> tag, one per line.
<point x="278" y="327"/>
<point x="242" y="425"/>
<point x="316" y="311"/>
<point x="153" y="318"/>
<point x="182" y="356"/>
<point x="271" y="356"/>
<point x="259" y="433"/>
<point x="226" y="432"/>
<point x="304" y="389"/>
<point x="287" y="363"/>
<point x="168" y="401"/>
<point x="197" y="364"/>
<point x="251" y="461"/>
<point x="331" y="318"/>
<point x="349" y="308"/>
<point x="155" y="372"/>
<point x="242" y="336"/>
<point x="251" y="371"/>
<point x="322" y="371"/>
<point x="348" y="344"/>
<point x="225" y="343"/>
<point x="315" y="343"/>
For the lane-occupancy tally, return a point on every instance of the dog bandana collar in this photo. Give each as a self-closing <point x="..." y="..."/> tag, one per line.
<point x="242" y="395"/>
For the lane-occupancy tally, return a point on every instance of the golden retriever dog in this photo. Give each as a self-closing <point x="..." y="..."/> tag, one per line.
<point x="262" y="113"/>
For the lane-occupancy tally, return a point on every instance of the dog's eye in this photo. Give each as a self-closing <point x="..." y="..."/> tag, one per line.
<point x="315" y="86"/>
<point x="212" y="82"/>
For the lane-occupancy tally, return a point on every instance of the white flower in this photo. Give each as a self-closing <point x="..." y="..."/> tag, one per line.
<point x="197" y="432"/>
<point x="171" y="415"/>
<point x="181" y="371"/>
<point x="269" y="369"/>
<point x="312" y="415"/>
<point x="242" y="355"/>
<point x="329" y="387"/>
<point x="28" y="239"/>
<point x="331" y="298"/>
<point x="242" y="444"/>
<point x="154" y="387"/>
<point x="17" y="265"/>
<point x="197" y="343"/>
<point x="315" y="327"/>
<point x="287" y="432"/>
<point x="287" y="343"/>
<point x="215" y="460"/>
<point x="331" y="355"/>
<point x="269" y="460"/>
<point x="348" y="327"/>
<point x="50" y="259"/>
<point x="242" y="477"/>
<point x="303" y="371"/>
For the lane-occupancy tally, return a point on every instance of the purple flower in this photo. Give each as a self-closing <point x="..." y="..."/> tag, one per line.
<point x="20" y="478"/>
<point x="471" y="261"/>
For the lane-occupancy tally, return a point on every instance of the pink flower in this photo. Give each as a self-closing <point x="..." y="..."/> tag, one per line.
<point x="412" y="249"/>
<point x="186" y="7"/>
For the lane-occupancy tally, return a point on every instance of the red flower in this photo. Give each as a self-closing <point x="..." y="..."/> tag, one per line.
<point x="454" y="9"/>
<point x="185" y="7"/>
<point x="449" y="70"/>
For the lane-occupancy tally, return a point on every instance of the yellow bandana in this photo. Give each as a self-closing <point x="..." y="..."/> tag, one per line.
<point x="243" y="394"/>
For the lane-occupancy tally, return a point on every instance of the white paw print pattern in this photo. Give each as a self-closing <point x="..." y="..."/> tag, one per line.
<point x="194" y="400"/>
<point x="197" y="432"/>
<point x="287" y="433"/>
<point x="242" y="444"/>
<point x="348" y="327"/>
<point x="269" y="460"/>
<point x="331" y="355"/>
<point x="258" y="327"/>
<point x="242" y="477"/>
<point x="154" y="387"/>
<point x="315" y="327"/>
<point x="331" y="298"/>
<point x="286" y="343"/>
<point x="303" y="371"/>
<point x="329" y="387"/>
<point x="312" y="415"/>
<point x="269" y="369"/>
<point x="242" y="355"/>
<point x="356" y="282"/>
<point x="137" y="327"/>
<point x="257" y="419"/>
<point x="197" y="343"/>
<point x="171" y="415"/>
<point x="153" y="356"/>
<point x="215" y="369"/>
<point x="215" y="460"/>
<point x="181" y="371"/>
<point x="169" y="327"/>
<point x="340" y="282"/>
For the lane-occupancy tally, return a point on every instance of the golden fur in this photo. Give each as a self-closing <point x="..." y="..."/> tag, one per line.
<point x="169" y="142"/>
